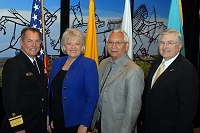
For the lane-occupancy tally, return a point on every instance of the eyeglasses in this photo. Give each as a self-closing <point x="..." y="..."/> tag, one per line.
<point x="169" y="43"/>
<point x="116" y="43"/>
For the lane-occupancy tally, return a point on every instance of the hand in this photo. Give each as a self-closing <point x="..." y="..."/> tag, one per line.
<point x="50" y="127"/>
<point x="47" y="121"/>
<point x="82" y="129"/>
<point x="22" y="131"/>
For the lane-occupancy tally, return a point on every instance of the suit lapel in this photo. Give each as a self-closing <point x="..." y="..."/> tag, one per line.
<point x="167" y="72"/>
<point x="104" y="69"/>
<point x="152" y="71"/>
<point x="30" y="67"/>
<point x="119" y="70"/>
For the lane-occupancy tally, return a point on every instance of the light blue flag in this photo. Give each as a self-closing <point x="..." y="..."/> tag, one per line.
<point x="175" y="19"/>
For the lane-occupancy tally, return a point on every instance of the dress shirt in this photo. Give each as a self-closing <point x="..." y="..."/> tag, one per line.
<point x="167" y="63"/>
<point x="114" y="68"/>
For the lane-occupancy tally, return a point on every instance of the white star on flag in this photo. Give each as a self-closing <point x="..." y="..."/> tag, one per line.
<point x="34" y="17"/>
<point x="36" y="21"/>
<point x="36" y="7"/>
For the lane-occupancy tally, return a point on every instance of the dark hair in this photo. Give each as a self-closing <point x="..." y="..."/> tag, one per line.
<point x="30" y="29"/>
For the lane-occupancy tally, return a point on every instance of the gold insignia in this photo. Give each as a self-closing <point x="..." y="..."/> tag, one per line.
<point x="29" y="74"/>
<point x="13" y="114"/>
<point x="16" y="121"/>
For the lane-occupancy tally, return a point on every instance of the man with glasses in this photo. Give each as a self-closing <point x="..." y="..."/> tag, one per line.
<point x="24" y="89"/>
<point x="121" y="84"/>
<point x="171" y="89"/>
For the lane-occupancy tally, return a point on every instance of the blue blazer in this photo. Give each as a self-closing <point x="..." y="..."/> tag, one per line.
<point x="79" y="90"/>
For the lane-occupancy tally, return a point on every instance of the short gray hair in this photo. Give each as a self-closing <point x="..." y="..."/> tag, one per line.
<point x="171" y="30"/>
<point x="126" y="39"/>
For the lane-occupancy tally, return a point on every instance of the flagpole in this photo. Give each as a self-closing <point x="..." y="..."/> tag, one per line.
<point x="43" y="34"/>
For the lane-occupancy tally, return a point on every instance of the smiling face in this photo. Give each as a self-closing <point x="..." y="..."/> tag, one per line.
<point x="116" y="45"/>
<point x="30" y="44"/>
<point x="73" y="48"/>
<point x="168" y="46"/>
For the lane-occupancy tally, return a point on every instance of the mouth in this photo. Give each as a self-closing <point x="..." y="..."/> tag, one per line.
<point x="113" y="51"/>
<point x="165" y="51"/>
<point x="73" y="51"/>
<point x="33" y="49"/>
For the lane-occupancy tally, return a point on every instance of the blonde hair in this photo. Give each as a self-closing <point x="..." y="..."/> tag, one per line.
<point x="71" y="33"/>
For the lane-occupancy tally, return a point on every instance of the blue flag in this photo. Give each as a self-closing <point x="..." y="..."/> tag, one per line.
<point x="175" y="19"/>
<point x="36" y="21"/>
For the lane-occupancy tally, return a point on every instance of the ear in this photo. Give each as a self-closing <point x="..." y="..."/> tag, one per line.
<point x="21" y="42"/>
<point x="180" y="47"/>
<point x="83" y="48"/>
<point x="127" y="46"/>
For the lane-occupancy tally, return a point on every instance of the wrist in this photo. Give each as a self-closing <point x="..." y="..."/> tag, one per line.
<point x="83" y="126"/>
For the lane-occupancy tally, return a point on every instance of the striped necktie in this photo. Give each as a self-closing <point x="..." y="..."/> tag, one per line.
<point x="35" y="65"/>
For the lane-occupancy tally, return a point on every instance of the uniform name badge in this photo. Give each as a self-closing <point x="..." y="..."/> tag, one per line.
<point x="16" y="121"/>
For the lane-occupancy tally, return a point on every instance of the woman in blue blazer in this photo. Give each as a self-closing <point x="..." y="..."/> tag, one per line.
<point x="73" y="87"/>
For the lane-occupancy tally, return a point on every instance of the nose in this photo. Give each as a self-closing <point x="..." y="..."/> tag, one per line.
<point x="73" y="46"/>
<point x="34" y="43"/>
<point x="165" y="46"/>
<point x="114" y="45"/>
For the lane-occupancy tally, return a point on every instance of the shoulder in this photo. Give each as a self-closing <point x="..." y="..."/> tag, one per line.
<point x="105" y="60"/>
<point x="129" y="64"/>
<point x="15" y="60"/>
<point x="13" y="64"/>
<point x="134" y="69"/>
<point x="39" y="60"/>
<point x="132" y="64"/>
<point x="186" y="65"/>
<point x="87" y="61"/>
<point x="60" y="59"/>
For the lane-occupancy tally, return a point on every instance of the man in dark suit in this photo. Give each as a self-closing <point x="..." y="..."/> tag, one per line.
<point x="24" y="90"/>
<point x="170" y="101"/>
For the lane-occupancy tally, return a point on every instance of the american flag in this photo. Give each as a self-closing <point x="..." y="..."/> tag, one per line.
<point x="36" y="22"/>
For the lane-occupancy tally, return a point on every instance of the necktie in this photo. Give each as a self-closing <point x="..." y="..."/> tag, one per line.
<point x="35" y="65"/>
<point x="160" y="71"/>
<point x="111" y="66"/>
<point x="98" y="122"/>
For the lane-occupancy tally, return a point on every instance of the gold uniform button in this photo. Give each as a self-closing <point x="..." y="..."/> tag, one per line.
<point x="42" y="99"/>
<point x="42" y="110"/>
